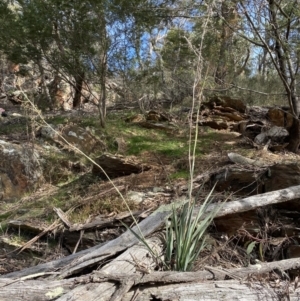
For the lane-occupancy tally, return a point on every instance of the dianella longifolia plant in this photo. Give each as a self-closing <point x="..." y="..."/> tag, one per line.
<point x="186" y="234"/>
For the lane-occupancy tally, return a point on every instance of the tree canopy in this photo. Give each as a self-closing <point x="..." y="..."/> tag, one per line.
<point x="156" y="45"/>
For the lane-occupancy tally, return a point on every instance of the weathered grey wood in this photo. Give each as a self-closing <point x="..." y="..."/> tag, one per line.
<point x="257" y="201"/>
<point x="152" y="223"/>
<point x="156" y="220"/>
<point x="208" y="291"/>
<point x="134" y="260"/>
<point x="210" y="273"/>
<point x="98" y="285"/>
<point x="51" y="265"/>
<point x="239" y="159"/>
<point x="245" y="272"/>
<point x="33" y="289"/>
<point x="215" y="291"/>
<point x="94" y="255"/>
<point x="211" y="290"/>
<point x="126" y="240"/>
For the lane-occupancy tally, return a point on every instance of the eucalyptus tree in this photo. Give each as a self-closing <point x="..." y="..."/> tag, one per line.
<point x="273" y="26"/>
<point x="226" y="53"/>
<point x="177" y="59"/>
<point x="59" y="35"/>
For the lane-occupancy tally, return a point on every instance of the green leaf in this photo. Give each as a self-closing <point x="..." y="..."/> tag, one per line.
<point x="250" y="247"/>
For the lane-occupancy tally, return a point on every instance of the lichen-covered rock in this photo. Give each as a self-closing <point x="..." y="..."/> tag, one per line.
<point x="275" y="133"/>
<point x="20" y="169"/>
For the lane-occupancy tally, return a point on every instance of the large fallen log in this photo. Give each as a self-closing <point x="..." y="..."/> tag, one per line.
<point x="215" y="291"/>
<point x="109" y="284"/>
<point x="210" y="290"/>
<point x="152" y="223"/>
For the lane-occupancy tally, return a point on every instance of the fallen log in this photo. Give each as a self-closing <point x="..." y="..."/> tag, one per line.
<point x="215" y="291"/>
<point x="152" y="223"/>
<point x="107" y="282"/>
<point x="135" y="261"/>
<point x="256" y="201"/>
<point x="76" y="262"/>
<point x="238" y="159"/>
<point x="211" y="290"/>
<point x="42" y="290"/>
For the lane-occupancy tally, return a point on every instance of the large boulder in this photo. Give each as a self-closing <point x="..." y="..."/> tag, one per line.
<point x="275" y="134"/>
<point x="20" y="170"/>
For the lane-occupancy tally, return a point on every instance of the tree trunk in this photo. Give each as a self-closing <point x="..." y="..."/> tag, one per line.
<point x="287" y="74"/>
<point x="229" y="14"/>
<point x="102" y="102"/>
<point x="294" y="136"/>
<point x="79" y="78"/>
<point x="102" y="71"/>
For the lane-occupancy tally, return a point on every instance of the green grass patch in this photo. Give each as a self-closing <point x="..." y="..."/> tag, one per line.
<point x="6" y="129"/>
<point x="140" y="140"/>
<point x="157" y="143"/>
<point x="55" y="120"/>
<point x="90" y="122"/>
<point x="180" y="174"/>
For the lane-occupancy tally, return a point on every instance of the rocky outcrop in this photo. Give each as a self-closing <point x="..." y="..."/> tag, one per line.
<point x="20" y="170"/>
<point x="47" y="89"/>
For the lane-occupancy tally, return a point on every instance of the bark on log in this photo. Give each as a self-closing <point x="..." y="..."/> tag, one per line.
<point x="152" y="223"/>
